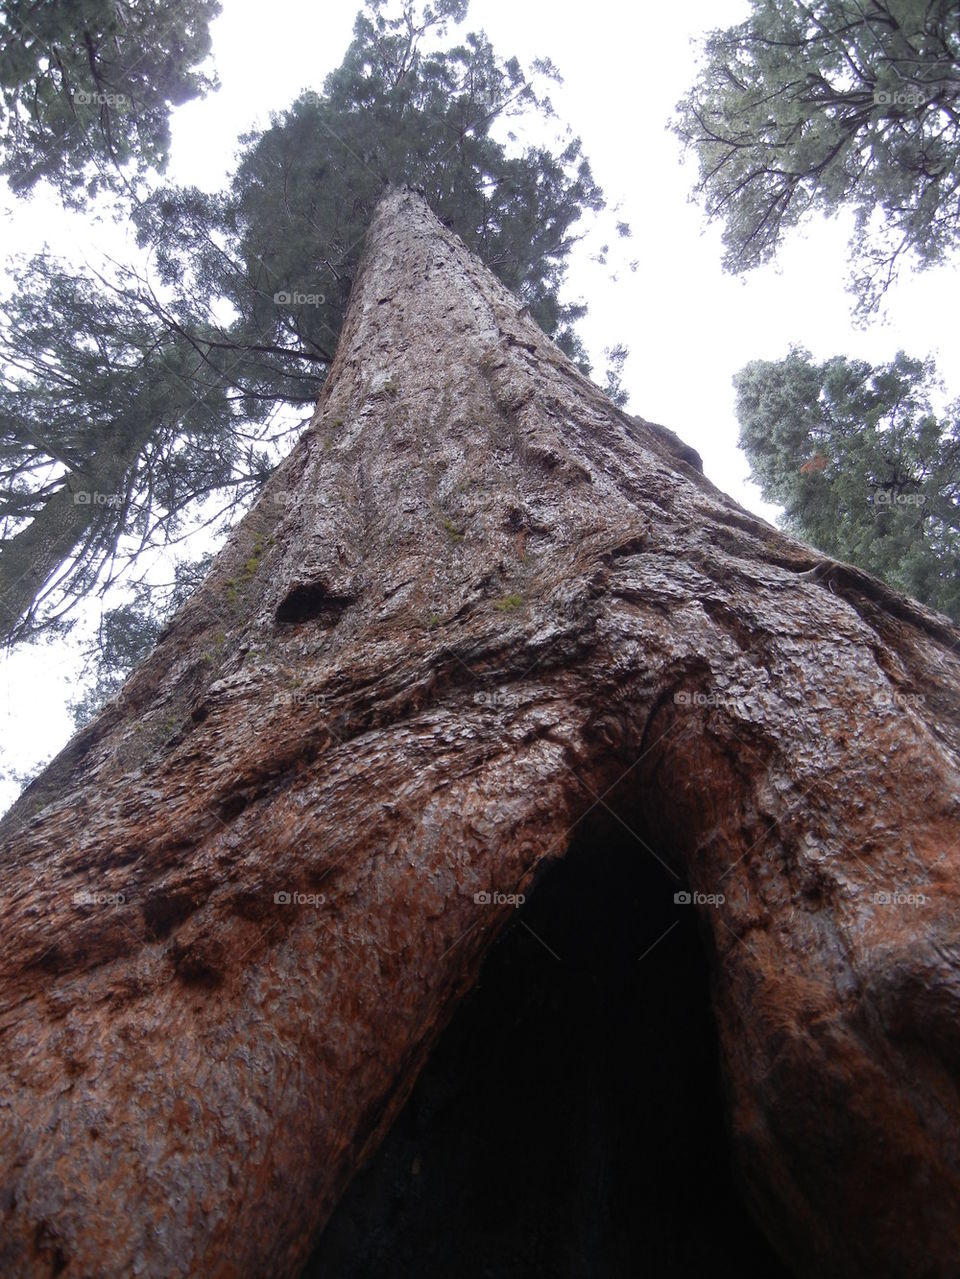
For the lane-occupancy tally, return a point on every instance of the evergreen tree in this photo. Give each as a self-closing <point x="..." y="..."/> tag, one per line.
<point x="862" y="466"/>
<point x="86" y="87"/>
<point x="829" y="104"/>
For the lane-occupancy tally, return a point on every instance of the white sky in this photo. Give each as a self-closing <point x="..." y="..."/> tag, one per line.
<point x="689" y="327"/>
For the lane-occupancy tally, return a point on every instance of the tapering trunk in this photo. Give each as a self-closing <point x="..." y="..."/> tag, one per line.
<point x="477" y="610"/>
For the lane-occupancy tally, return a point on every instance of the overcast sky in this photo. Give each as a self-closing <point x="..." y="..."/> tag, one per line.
<point x="689" y="327"/>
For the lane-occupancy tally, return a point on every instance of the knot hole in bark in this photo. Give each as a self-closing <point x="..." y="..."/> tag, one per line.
<point x="312" y="602"/>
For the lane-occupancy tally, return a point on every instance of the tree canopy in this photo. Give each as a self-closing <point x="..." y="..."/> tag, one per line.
<point x="162" y="384"/>
<point x="863" y="467"/>
<point x="87" y="87"/>
<point x="832" y="104"/>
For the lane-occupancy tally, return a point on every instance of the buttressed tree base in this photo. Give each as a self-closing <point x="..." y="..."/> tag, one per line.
<point x="475" y="611"/>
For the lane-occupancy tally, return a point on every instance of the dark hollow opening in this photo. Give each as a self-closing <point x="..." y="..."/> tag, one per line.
<point x="570" y="1122"/>
<point x="311" y="601"/>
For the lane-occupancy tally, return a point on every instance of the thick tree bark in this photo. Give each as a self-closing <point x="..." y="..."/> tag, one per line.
<point x="476" y="608"/>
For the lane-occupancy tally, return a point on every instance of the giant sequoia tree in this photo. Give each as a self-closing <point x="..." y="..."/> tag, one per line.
<point x="478" y="615"/>
<point x="127" y="399"/>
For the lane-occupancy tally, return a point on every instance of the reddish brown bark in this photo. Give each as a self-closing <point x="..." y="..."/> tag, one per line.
<point x="476" y="607"/>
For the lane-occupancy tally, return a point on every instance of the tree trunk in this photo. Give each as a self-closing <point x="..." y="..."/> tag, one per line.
<point x="477" y="613"/>
<point x="82" y="511"/>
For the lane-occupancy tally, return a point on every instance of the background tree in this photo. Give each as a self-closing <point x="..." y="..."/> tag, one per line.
<point x="127" y="634"/>
<point x="167" y="380"/>
<point x="861" y="464"/>
<point x="112" y="428"/>
<point x="87" y="87"/>
<point x="825" y="105"/>
<point x="616" y="357"/>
